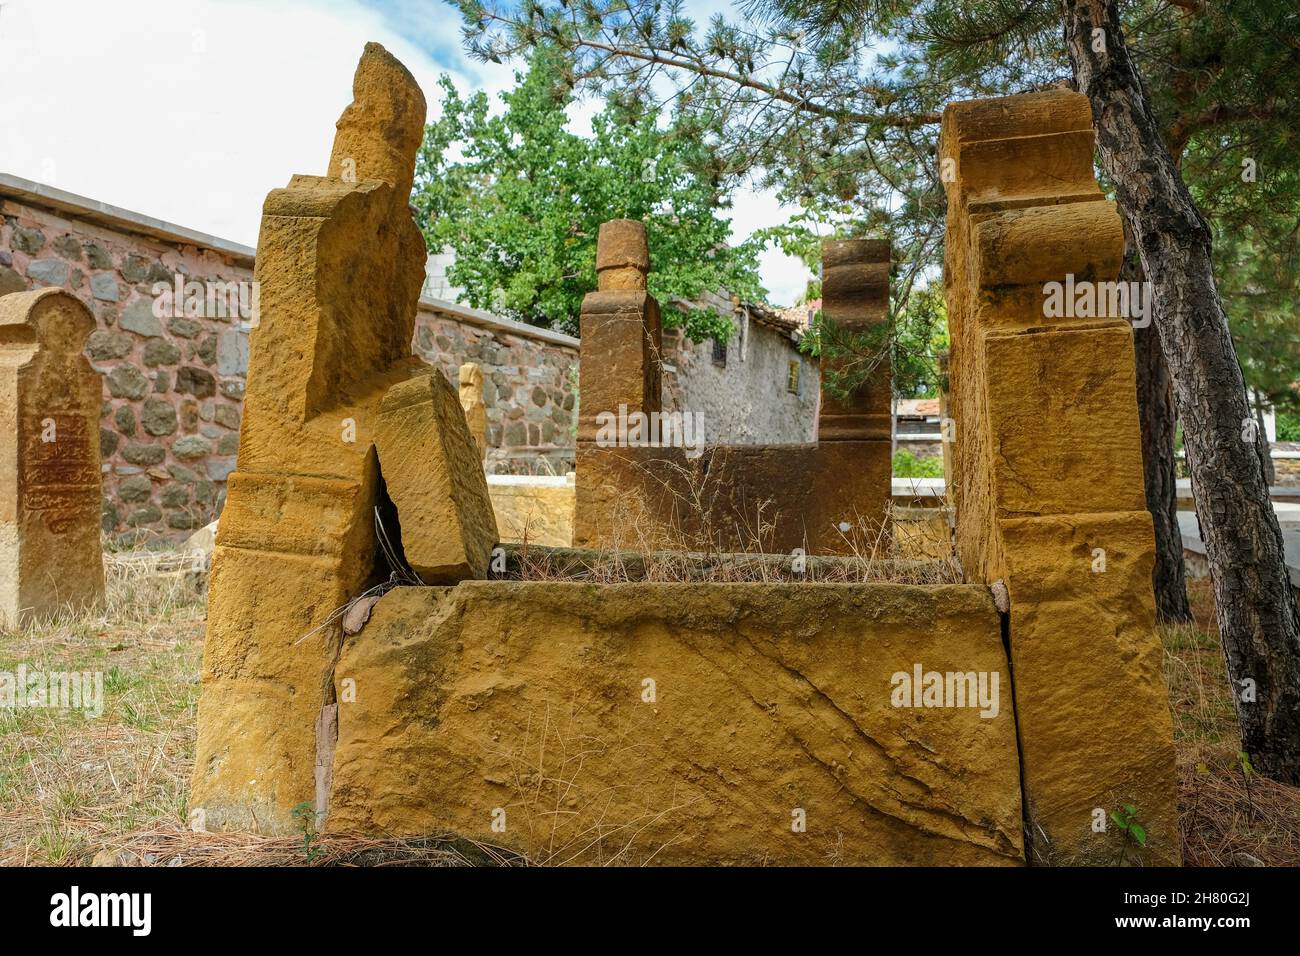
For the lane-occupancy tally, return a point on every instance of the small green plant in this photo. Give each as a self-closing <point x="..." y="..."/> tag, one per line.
<point x="1247" y="771"/>
<point x="1288" y="426"/>
<point x="305" y="814"/>
<point x="1126" y="819"/>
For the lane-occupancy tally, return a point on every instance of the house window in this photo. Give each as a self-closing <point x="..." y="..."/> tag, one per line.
<point x="720" y="353"/>
<point x="792" y="379"/>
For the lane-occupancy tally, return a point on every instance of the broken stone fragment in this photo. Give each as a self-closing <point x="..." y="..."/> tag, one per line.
<point x="381" y="129"/>
<point x="434" y="476"/>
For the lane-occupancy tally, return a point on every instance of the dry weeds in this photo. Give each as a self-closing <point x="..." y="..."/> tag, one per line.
<point x="71" y="788"/>
<point x="695" y="544"/>
<point x="1229" y="816"/>
<point x="69" y="784"/>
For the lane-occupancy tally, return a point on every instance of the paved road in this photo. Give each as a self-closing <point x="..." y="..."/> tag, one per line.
<point x="1288" y="517"/>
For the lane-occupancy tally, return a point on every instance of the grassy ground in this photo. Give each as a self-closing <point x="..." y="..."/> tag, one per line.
<point x="72" y="788"/>
<point x="69" y="785"/>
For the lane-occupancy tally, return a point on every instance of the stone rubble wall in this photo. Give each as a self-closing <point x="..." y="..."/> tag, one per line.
<point x="173" y="387"/>
<point x="745" y="401"/>
<point x="529" y="388"/>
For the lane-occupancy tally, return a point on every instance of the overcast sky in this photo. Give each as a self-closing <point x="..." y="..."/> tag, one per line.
<point x="192" y="110"/>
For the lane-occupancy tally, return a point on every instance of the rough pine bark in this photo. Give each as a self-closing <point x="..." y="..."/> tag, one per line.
<point x="1155" y="392"/>
<point x="1270" y="473"/>
<point x="1254" y="603"/>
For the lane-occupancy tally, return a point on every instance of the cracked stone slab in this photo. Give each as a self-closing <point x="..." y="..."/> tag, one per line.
<point x="679" y="724"/>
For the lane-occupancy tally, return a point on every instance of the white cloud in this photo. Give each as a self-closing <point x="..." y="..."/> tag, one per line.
<point x="192" y="110"/>
<point x="188" y="110"/>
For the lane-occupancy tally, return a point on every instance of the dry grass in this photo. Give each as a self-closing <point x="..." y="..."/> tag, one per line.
<point x="177" y="846"/>
<point x="701" y="540"/>
<point x="613" y="566"/>
<point x="68" y="784"/>
<point x="71" y="788"/>
<point x="1229" y="816"/>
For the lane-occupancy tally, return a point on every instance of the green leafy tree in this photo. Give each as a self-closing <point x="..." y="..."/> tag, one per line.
<point x="915" y="332"/>
<point x="835" y="104"/>
<point x="521" y="204"/>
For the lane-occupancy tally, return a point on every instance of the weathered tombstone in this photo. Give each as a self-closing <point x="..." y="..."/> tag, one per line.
<point x="471" y="401"/>
<point x="619" y="364"/>
<point x="340" y="263"/>
<point x="855" y="296"/>
<point x="50" y="497"/>
<point x="1047" y="473"/>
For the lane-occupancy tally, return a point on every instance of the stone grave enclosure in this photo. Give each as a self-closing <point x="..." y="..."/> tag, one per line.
<point x="689" y="722"/>
<point x="812" y="496"/>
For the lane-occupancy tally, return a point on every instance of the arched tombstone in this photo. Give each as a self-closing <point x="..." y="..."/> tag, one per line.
<point x="50" y="497"/>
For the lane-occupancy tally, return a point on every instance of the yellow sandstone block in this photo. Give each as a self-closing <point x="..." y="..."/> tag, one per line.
<point x="434" y="476"/>
<point x="1045" y="243"/>
<point x="1064" y="425"/>
<point x="1091" y="703"/>
<point x="340" y="264"/>
<point x="681" y="724"/>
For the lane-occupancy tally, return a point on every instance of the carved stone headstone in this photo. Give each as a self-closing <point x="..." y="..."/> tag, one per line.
<point x="1055" y="516"/>
<point x="340" y="263"/>
<point x="471" y="401"/>
<point x="619" y="364"/>
<point x="855" y="297"/>
<point x="50" y="498"/>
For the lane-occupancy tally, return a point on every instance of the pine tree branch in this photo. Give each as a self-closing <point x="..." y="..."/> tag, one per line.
<point x="747" y="82"/>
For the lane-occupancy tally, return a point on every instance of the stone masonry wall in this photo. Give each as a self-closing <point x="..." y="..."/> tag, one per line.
<point x="745" y="400"/>
<point x="173" y="387"/>
<point x="529" y="388"/>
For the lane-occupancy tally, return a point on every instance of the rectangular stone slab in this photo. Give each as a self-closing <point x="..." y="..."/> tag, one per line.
<point x="1091" y="702"/>
<point x="684" y="724"/>
<point x="1044" y="392"/>
<point x="434" y="475"/>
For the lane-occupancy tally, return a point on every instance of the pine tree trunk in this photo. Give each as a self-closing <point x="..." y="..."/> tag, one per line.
<point x="1256" y="610"/>
<point x="1270" y="474"/>
<point x="1155" y="394"/>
